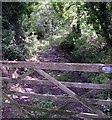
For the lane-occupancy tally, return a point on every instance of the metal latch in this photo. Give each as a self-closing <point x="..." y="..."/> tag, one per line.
<point x="107" y="69"/>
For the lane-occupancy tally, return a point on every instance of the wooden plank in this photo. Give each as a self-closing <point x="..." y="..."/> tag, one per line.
<point x="42" y="96"/>
<point x="60" y="98"/>
<point x="92" y="92"/>
<point x="71" y="93"/>
<point x="92" y="116"/>
<point x="55" y="66"/>
<point x="102" y="102"/>
<point x="26" y="74"/>
<point x="36" y="81"/>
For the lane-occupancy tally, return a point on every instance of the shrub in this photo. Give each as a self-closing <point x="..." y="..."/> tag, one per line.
<point x="12" y="51"/>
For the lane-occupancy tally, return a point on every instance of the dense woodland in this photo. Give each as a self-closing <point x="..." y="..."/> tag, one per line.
<point x="82" y="31"/>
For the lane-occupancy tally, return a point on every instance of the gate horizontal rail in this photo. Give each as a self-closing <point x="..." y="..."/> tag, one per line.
<point x="57" y="66"/>
<point x="36" y="81"/>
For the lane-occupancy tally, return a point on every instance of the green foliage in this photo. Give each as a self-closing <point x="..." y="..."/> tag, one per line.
<point x="48" y="104"/>
<point x="87" y="55"/>
<point x="100" y="16"/>
<point x="13" y="11"/>
<point x="64" y="77"/>
<point x="96" y="77"/>
<point x="88" y="51"/>
<point x="54" y="19"/>
<point x="14" y="46"/>
<point x="67" y="46"/>
<point x="11" y="51"/>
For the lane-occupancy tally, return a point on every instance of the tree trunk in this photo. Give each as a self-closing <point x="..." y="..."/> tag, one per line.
<point x="103" y="16"/>
<point x="19" y="33"/>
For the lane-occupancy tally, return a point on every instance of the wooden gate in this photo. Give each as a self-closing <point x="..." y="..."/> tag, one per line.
<point x="84" y="100"/>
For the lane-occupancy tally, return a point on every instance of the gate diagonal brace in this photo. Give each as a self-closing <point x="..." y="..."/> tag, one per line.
<point x="71" y="93"/>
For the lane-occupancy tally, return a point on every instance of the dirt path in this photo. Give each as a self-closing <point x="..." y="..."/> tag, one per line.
<point x="52" y="54"/>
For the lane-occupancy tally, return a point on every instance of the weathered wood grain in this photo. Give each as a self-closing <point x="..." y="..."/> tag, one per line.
<point x="55" y="66"/>
<point x="60" y="98"/>
<point x="36" y="81"/>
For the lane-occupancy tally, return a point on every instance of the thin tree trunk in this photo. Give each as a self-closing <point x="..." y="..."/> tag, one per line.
<point x="19" y="33"/>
